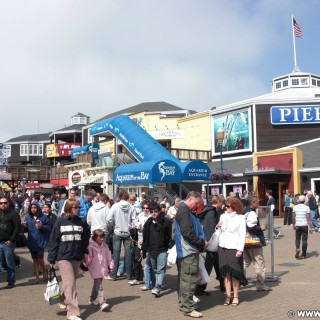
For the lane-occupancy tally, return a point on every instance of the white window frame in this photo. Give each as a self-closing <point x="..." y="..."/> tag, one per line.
<point x="23" y="149"/>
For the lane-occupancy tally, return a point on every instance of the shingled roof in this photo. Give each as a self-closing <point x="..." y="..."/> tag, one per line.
<point x="41" y="137"/>
<point x="148" y="107"/>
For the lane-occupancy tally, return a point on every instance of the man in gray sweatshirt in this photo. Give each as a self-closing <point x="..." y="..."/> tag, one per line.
<point x="121" y="217"/>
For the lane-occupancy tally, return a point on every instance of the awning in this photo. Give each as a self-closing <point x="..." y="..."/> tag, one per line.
<point x="266" y="172"/>
<point x="5" y="175"/>
<point x="163" y="171"/>
<point x="87" y="148"/>
<point x="90" y="180"/>
<point x="195" y="170"/>
<point x="36" y="185"/>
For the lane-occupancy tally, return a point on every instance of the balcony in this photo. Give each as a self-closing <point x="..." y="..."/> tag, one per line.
<point x="29" y="173"/>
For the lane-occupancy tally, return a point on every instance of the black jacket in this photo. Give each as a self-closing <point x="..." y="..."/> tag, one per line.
<point x="69" y="240"/>
<point x="157" y="235"/>
<point x="209" y="218"/>
<point x="10" y="225"/>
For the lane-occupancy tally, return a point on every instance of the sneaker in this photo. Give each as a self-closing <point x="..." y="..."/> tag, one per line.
<point x="145" y="288"/>
<point x="277" y="235"/>
<point x="94" y="302"/>
<point x="195" y="299"/>
<point x="193" y="314"/>
<point x="110" y="278"/>
<point x="155" y="293"/>
<point x="134" y="282"/>
<point x="104" y="306"/>
<point x="62" y="306"/>
<point x="9" y="286"/>
<point x="297" y="254"/>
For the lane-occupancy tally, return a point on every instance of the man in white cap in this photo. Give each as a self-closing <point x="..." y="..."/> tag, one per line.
<point x="302" y="224"/>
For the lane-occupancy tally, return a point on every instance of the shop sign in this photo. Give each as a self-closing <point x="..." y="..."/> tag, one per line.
<point x="285" y="115"/>
<point x="75" y="178"/>
<point x="167" y="134"/>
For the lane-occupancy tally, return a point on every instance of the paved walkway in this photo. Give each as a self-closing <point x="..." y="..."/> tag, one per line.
<point x="297" y="288"/>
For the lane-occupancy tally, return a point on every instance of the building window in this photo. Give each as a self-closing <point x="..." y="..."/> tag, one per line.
<point x="278" y="85"/>
<point x="318" y="83"/>
<point x="304" y="81"/>
<point x="23" y="149"/>
<point x="83" y="120"/>
<point x="7" y="150"/>
<point x="31" y="149"/>
<point x="295" y="82"/>
<point x="90" y="138"/>
<point x="285" y="83"/>
<point x="314" y="82"/>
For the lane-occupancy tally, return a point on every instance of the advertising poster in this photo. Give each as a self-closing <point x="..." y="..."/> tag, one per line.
<point x="237" y="132"/>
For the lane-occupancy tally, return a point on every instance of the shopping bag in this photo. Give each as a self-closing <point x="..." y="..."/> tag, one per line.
<point x="203" y="276"/>
<point x="172" y="256"/>
<point x="252" y="241"/>
<point x="213" y="243"/>
<point x="52" y="294"/>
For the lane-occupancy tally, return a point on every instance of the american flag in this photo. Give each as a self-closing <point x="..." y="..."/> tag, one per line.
<point x="297" y="29"/>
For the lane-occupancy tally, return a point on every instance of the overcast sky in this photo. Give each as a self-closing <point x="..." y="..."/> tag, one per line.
<point x="61" y="57"/>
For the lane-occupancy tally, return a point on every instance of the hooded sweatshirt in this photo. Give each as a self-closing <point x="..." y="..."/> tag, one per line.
<point x="121" y="216"/>
<point x="37" y="238"/>
<point x="97" y="217"/>
<point x="99" y="259"/>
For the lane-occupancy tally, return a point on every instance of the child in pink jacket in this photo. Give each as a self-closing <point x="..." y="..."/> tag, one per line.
<point x="99" y="260"/>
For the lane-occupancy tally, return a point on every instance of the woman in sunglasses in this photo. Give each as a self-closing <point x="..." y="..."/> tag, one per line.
<point x="231" y="246"/>
<point x="68" y="245"/>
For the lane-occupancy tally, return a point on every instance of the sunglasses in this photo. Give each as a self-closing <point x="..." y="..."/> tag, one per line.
<point x="152" y="211"/>
<point x="3" y="202"/>
<point x="75" y="207"/>
<point x="227" y="206"/>
<point x="145" y="208"/>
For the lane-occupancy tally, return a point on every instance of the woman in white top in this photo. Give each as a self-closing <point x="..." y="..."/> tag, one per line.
<point x="231" y="245"/>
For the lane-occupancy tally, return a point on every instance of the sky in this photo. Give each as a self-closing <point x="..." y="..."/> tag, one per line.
<point x="61" y="57"/>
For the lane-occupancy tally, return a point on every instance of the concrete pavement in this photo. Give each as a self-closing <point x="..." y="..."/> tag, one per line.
<point x="297" y="288"/>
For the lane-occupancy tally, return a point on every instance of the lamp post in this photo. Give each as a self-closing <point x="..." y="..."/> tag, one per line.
<point x="58" y="167"/>
<point x="23" y="186"/>
<point x="113" y="158"/>
<point x="220" y="138"/>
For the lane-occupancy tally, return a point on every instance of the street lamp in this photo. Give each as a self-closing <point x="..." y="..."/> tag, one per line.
<point x="113" y="158"/>
<point x="23" y="186"/>
<point x="220" y="138"/>
<point x="58" y="167"/>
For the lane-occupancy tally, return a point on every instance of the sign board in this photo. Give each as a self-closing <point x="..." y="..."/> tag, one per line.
<point x="75" y="178"/>
<point x="285" y="115"/>
<point x="60" y="149"/>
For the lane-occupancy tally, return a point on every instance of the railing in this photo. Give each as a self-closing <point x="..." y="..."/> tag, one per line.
<point x="29" y="173"/>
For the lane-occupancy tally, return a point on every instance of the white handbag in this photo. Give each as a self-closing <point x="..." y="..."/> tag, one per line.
<point x="52" y="294"/>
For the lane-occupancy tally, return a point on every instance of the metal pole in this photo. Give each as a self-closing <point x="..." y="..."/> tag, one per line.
<point x="221" y="168"/>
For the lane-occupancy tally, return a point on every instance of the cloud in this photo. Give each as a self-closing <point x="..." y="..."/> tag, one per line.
<point x="63" y="57"/>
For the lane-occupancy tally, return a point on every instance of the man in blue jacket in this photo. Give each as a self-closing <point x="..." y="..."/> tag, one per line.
<point x="190" y="241"/>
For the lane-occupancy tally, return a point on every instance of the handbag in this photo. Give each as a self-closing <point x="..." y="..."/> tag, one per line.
<point x="213" y="243"/>
<point x="252" y="241"/>
<point x="172" y="256"/>
<point x="203" y="277"/>
<point x="22" y="240"/>
<point x="52" y="294"/>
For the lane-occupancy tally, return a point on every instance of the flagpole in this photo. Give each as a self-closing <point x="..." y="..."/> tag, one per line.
<point x="296" y="68"/>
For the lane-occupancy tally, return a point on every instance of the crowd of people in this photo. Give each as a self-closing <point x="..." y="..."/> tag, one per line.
<point x="87" y="232"/>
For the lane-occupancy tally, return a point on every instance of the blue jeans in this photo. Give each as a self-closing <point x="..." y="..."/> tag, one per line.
<point x="117" y="240"/>
<point x="149" y="277"/>
<point x="159" y="267"/>
<point x="7" y="253"/>
<point x="313" y="219"/>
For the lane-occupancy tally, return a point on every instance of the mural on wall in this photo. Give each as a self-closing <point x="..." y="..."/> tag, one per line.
<point x="237" y="132"/>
